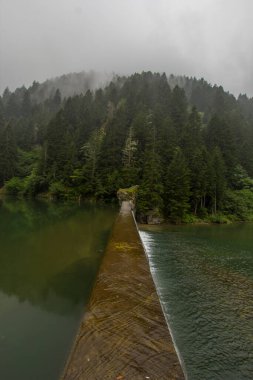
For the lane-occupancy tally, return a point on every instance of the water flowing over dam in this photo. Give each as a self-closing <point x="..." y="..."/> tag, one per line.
<point x="123" y="334"/>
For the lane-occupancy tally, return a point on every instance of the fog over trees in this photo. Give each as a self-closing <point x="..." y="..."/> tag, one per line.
<point x="204" y="38"/>
<point x="185" y="143"/>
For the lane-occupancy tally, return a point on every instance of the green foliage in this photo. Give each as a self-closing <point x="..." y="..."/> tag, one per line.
<point x="179" y="108"/>
<point x="129" y="194"/>
<point x="130" y="169"/>
<point x="57" y="190"/>
<point x="185" y="143"/>
<point x="177" y="188"/>
<point x="8" y="154"/>
<point x="91" y="151"/>
<point x="218" y="218"/>
<point x="217" y="180"/>
<point x="28" y="161"/>
<point x="132" y="191"/>
<point x="151" y="187"/>
<point x="190" y="219"/>
<point x="240" y="179"/>
<point x="200" y="176"/>
<point x="34" y="184"/>
<point x="15" y="186"/>
<point x="239" y="203"/>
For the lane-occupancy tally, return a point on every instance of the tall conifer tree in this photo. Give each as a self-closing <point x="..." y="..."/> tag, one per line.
<point x="177" y="188"/>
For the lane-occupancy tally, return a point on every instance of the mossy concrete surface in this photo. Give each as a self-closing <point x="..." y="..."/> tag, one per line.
<point x="123" y="334"/>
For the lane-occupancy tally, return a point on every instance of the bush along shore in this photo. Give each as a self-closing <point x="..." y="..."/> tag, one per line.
<point x="182" y="147"/>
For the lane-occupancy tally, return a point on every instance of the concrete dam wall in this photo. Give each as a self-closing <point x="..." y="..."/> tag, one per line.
<point x="123" y="334"/>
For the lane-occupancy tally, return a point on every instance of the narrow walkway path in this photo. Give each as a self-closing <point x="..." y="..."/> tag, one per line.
<point x="123" y="335"/>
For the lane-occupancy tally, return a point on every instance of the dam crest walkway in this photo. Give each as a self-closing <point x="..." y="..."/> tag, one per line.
<point x="123" y="334"/>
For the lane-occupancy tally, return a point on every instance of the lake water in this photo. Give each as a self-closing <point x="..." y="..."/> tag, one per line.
<point x="49" y="257"/>
<point x="204" y="276"/>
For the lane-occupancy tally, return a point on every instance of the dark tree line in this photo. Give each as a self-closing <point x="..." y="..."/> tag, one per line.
<point x="188" y="148"/>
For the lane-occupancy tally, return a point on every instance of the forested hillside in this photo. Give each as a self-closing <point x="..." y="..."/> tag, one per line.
<point x="187" y="144"/>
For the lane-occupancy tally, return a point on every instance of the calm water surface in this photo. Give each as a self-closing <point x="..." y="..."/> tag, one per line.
<point x="204" y="276"/>
<point x="49" y="257"/>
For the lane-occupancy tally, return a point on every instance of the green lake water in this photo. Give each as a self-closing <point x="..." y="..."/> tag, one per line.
<point x="49" y="257"/>
<point x="204" y="277"/>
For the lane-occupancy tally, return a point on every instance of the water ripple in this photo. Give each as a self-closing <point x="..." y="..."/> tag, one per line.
<point x="204" y="278"/>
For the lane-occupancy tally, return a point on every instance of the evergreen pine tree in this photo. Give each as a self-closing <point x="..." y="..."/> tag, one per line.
<point x="91" y="151"/>
<point x="177" y="188"/>
<point x="199" y="178"/>
<point x="217" y="180"/>
<point x="178" y="108"/>
<point x="8" y="154"/>
<point x="130" y="170"/>
<point x="151" y="188"/>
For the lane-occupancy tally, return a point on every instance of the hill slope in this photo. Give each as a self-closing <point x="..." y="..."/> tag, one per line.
<point x="188" y="147"/>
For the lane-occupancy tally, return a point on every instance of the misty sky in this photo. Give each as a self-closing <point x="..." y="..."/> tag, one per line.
<point x="213" y="39"/>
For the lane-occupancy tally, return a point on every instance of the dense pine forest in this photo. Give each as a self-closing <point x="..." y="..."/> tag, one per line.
<point x="185" y="143"/>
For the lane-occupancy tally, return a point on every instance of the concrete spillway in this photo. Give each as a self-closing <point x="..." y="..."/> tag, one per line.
<point x="123" y="334"/>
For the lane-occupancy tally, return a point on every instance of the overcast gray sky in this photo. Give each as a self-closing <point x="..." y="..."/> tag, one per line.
<point x="213" y="39"/>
